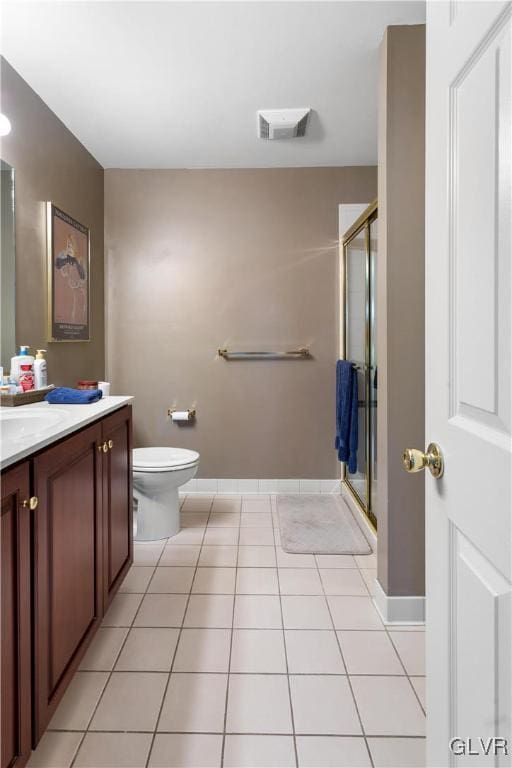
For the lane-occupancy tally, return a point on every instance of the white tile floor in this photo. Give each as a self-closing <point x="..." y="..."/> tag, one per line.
<point x="223" y="650"/>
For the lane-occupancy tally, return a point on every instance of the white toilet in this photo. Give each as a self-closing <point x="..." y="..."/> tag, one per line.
<point x="157" y="475"/>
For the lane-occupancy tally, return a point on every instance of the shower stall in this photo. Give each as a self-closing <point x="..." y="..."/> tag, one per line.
<point x="359" y="273"/>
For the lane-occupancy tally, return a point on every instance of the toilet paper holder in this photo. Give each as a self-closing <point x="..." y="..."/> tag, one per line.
<point x="190" y="414"/>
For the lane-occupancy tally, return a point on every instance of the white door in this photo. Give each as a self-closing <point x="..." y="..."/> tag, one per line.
<point x="469" y="386"/>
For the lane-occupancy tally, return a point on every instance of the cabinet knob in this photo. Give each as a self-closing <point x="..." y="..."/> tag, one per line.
<point x="104" y="447"/>
<point x="110" y="444"/>
<point x="31" y="503"/>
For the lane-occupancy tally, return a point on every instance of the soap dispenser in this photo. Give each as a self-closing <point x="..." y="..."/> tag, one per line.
<point x="40" y="370"/>
<point x="23" y="358"/>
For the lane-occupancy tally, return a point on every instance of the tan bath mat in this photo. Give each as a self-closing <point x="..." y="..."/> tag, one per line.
<point x="319" y="524"/>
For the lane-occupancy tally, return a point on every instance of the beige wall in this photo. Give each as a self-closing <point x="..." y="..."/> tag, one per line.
<point x="199" y="260"/>
<point x="400" y="300"/>
<point x="51" y="164"/>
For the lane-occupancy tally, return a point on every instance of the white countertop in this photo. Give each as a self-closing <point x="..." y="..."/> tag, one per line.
<point x="71" y="418"/>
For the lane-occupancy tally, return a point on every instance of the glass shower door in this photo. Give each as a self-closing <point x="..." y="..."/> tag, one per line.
<point x="356" y="278"/>
<point x="373" y="398"/>
<point x="360" y="252"/>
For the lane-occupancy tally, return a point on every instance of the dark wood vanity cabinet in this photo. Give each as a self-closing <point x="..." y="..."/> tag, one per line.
<point x="68" y="595"/>
<point x="15" y="615"/>
<point x="81" y="549"/>
<point x="117" y="501"/>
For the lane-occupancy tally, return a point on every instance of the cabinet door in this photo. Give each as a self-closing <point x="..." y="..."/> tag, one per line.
<point x="15" y="580"/>
<point x="67" y="564"/>
<point x="117" y="500"/>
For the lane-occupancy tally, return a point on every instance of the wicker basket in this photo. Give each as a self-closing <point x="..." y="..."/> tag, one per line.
<point x="25" y="398"/>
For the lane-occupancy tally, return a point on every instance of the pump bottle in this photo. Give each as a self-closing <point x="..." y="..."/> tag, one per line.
<point x="23" y="358"/>
<point x="40" y="370"/>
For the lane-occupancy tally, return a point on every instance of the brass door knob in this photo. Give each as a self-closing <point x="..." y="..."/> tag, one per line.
<point x="110" y="444"/>
<point x="415" y="460"/>
<point x="31" y="503"/>
<point x="104" y="447"/>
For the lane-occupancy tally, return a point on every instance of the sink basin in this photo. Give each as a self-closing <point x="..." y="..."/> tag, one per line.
<point x="24" y="423"/>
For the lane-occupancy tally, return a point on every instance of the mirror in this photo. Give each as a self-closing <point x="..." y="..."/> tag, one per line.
<point x="7" y="268"/>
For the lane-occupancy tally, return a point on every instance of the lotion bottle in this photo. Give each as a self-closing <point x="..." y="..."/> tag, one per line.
<point x="40" y="370"/>
<point x="22" y="359"/>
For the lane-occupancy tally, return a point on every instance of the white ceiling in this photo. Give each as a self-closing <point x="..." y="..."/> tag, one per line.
<point x="178" y="84"/>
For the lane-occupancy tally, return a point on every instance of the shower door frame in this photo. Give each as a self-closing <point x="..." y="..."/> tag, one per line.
<point x="361" y="224"/>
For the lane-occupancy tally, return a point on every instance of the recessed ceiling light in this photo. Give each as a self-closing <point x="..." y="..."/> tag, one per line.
<point x="5" y="125"/>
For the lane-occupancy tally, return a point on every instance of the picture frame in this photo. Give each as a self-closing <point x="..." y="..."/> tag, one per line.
<point x="69" y="259"/>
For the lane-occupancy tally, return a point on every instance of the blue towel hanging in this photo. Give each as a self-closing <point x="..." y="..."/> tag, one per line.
<point x="68" y="396"/>
<point x="347" y="419"/>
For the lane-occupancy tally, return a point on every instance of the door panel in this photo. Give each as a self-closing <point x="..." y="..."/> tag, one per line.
<point x="71" y="551"/>
<point x="469" y="384"/>
<point x="15" y="612"/>
<point x="481" y="596"/>
<point x="480" y="149"/>
<point x="67" y="564"/>
<point x="117" y="500"/>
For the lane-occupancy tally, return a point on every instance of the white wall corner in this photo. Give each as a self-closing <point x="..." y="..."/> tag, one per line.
<point x="408" y="609"/>
<point x="348" y="213"/>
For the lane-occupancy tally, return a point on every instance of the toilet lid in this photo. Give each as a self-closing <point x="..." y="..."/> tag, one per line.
<point x="163" y="458"/>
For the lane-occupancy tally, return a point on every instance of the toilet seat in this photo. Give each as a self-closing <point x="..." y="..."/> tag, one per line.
<point x="163" y="459"/>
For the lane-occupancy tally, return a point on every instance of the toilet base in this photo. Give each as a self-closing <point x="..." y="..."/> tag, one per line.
<point x="157" y="517"/>
<point x="158" y="502"/>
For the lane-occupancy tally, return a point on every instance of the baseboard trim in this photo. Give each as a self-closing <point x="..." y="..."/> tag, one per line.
<point x="408" y="609"/>
<point x="242" y="486"/>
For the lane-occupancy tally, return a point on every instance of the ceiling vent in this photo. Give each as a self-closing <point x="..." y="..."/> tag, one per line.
<point x="282" y="123"/>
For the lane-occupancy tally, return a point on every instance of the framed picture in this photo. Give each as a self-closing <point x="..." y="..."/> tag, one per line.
<point x="68" y="277"/>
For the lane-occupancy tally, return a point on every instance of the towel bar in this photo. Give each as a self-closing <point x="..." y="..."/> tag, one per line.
<point x="295" y="354"/>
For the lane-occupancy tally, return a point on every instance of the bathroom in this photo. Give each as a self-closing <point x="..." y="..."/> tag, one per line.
<point x="194" y="573"/>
